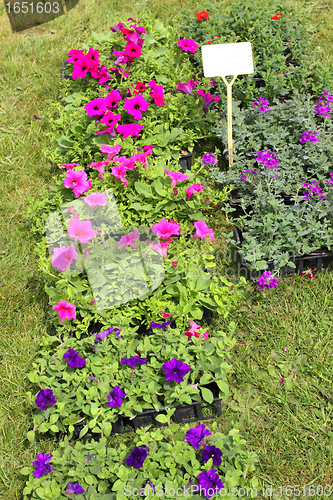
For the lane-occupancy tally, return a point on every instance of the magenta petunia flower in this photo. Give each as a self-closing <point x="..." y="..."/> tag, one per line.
<point x="195" y="188"/>
<point x="111" y="101"/>
<point x="99" y="165"/>
<point x="161" y="247"/>
<point x="134" y="38"/>
<point x="323" y="110"/>
<point x="207" y="99"/>
<point x="65" y="310"/>
<point x="129" y="240"/>
<point x="101" y="74"/>
<point x="110" y="150"/>
<point x="135" y="105"/>
<point x="63" y="257"/>
<point x="188" y="87"/>
<point x="262" y="104"/>
<point x="75" y="55"/>
<point x="175" y="370"/>
<point x="78" y="181"/>
<point x="96" y="199"/>
<point x="45" y="397"/>
<point x="196" y="436"/>
<point x="80" y="69"/>
<point x="157" y="93"/>
<point x="95" y="107"/>
<point x="119" y="172"/>
<point x="187" y="44"/>
<point x="91" y="58"/>
<point x="203" y="230"/>
<point x="165" y="229"/>
<point x="176" y="177"/>
<point x="266" y="280"/>
<point x="110" y="119"/>
<point x="138" y="29"/>
<point x="131" y="130"/>
<point x="81" y="230"/>
<point x="192" y="332"/>
<point x="133" y="50"/>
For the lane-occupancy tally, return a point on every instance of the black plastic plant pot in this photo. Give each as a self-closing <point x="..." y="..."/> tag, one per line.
<point x="237" y="206"/>
<point x="314" y="261"/>
<point x="185" y="160"/>
<point x="259" y="82"/>
<point x="63" y="73"/>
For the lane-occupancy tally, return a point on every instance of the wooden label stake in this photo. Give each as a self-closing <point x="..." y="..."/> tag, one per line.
<point x="229" y="112"/>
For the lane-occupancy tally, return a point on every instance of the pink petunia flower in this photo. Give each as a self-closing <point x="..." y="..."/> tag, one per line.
<point x="96" y="199"/>
<point x="166" y="315"/>
<point x="65" y="310"/>
<point x="176" y="177"/>
<point x="192" y="332"/>
<point x="165" y="229"/>
<point x="69" y="166"/>
<point x="142" y="158"/>
<point x="99" y="165"/>
<point x="203" y="230"/>
<point x="131" y="130"/>
<point x="129" y="240"/>
<point x="81" y="230"/>
<point x="72" y="211"/>
<point x="135" y="105"/>
<point x="86" y="253"/>
<point x="157" y="93"/>
<point x="207" y="99"/>
<point x="110" y="150"/>
<point x="187" y="44"/>
<point x="111" y="101"/>
<point x="133" y="50"/>
<point x="174" y="263"/>
<point x="95" y="107"/>
<point x="78" y="181"/>
<point x="63" y="257"/>
<point x="161" y="247"/>
<point x="188" y="87"/>
<point x="195" y="188"/>
<point x="119" y="173"/>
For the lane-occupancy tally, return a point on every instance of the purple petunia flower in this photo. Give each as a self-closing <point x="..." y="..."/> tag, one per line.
<point x="89" y="457"/>
<point x="42" y="465"/>
<point x="150" y="483"/>
<point x="45" y="397"/>
<point x="116" y="397"/>
<point x="159" y="325"/>
<point x="101" y="335"/>
<point x="314" y="189"/>
<point x="91" y="377"/>
<point x="250" y="171"/>
<point x="266" y="280"/>
<point x="210" y="482"/>
<point x="133" y="361"/>
<point x="309" y="136"/>
<point x="74" y="488"/>
<point x="137" y="456"/>
<point x="322" y="110"/>
<point x="74" y="360"/>
<point x="330" y="181"/>
<point x="262" y="103"/>
<point x="196" y="436"/>
<point x="212" y="452"/>
<point x="209" y="159"/>
<point x="188" y="87"/>
<point x="268" y="159"/>
<point x="175" y="370"/>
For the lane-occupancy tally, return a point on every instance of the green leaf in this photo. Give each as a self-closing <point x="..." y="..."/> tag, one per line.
<point x="223" y="386"/>
<point x="89" y="479"/>
<point x="143" y="189"/>
<point x="158" y="186"/>
<point x="118" y="485"/>
<point x="161" y="418"/>
<point x="25" y="471"/>
<point x="139" y="206"/>
<point x="83" y="431"/>
<point x="205" y="378"/>
<point x="107" y="428"/>
<point x="65" y="142"/>
<point x="207" y="395"/>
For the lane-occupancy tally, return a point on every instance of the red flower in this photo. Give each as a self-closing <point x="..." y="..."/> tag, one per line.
<point x="209" y="42"/>
<point x="140" y="87"/>
<point x="277" y="16"/>
<point x="202" y="15"/>
<point x="218" y="36"/>
<point x="126" y="32"/>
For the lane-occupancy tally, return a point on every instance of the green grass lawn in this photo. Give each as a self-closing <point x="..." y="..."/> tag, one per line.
<point x="290" y="424"/>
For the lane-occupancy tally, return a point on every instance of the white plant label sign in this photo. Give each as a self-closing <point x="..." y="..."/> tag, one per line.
<point x="227" y="59"/>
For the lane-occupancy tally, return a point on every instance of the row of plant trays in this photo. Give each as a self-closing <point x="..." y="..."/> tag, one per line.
<point x="315" y="261"/>
<point x="184" y="413"/>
